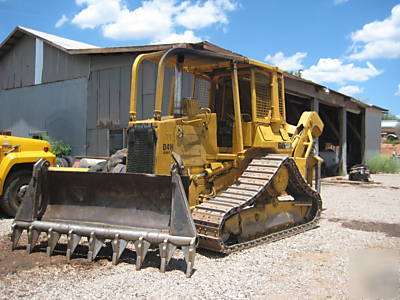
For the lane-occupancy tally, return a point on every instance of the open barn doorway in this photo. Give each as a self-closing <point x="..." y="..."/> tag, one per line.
<point x="295" y="106"/>
<point x="355" y="140"/>
<point x="329" y="141"/>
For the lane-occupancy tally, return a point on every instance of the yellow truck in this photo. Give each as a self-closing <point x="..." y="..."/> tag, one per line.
<point x="17" y="157"/>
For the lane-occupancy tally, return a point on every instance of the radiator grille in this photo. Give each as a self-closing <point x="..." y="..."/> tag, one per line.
<point x="280" y="95"/>
<point x="263" y="95"/>
<point x="141" y="147"/>
<point x="202" y="88"/>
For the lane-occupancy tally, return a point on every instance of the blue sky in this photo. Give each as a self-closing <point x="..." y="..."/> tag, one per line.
<point x="348" y="45"/>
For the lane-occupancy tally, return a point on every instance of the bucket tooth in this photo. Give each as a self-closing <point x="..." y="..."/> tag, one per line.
<point x="189" y="252"/>
<point x="155" y="211"/>
<point x="15" y="236"/>
<point x="95" y="245"/>
<point x="141" y="247"/>
<point x="52" y="240"/>
<point x="166" y="252"/>
<point x="33" y="235"/>
<point x="73" y="241"/>
<point x="118" y="246"/>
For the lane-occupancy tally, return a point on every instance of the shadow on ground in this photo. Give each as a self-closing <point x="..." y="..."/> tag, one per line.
<point x="390" y="229"/>
<point x="19" y="259"/>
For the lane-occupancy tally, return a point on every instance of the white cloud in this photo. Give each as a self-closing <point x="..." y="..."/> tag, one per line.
<point x="351" y="90"/>
<point x="96" y="13"/>
<point x="290" y="63"/>
<point x="200" y="15"/>
<point x="378" y="39"/>
<point x="156" y="20"/>
<point x="153" y="20"/>
<point x="337" y="2"/>
<point x="333" y="70"/>
<point x="187" y="37"/>
<point x="61" y="21"/>
<point x="398" y="90"/>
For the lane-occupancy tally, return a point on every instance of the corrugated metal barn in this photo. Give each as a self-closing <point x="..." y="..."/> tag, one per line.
<point x="80" y="93"/>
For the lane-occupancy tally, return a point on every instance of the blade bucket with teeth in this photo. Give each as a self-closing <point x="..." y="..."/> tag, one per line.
<point x="121" y="208"/>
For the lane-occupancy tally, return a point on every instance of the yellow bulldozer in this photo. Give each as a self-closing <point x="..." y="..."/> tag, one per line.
<point x="225" y="175"/>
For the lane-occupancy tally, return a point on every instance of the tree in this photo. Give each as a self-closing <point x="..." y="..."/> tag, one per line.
<point x="389" y="116"/>
<point x="297" y="73"/>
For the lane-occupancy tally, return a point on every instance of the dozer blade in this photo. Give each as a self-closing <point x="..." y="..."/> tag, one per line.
<point x="140" y="208"/>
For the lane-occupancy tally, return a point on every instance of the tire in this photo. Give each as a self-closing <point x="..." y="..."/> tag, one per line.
<point x="390" y="138"/>
<point x="10" y="201"/>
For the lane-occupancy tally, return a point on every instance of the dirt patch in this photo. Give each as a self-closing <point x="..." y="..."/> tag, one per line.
<point x="390" y="229"/>
<point x="390" y="149"/>
<point x="19" y="259"/>
<point x="342" y="180"/>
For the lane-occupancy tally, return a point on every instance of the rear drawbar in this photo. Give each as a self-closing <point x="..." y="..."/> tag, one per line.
<point x="140" y="208"/>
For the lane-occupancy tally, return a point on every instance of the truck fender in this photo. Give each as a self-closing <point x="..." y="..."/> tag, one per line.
<point x="16" y="158"/>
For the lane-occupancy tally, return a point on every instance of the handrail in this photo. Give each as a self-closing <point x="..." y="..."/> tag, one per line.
<point x="134" y="81"/>
<point x="161" y="70"/>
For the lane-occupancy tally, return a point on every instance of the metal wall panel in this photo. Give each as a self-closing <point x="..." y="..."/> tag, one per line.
<point x="17" y="66"/>
<point x="58" y="65"/>
<point x="102" y="62"/>
<point x="97" y="142"/>
<point x="109" y="100"/>
<point x="107" y="90"/>
<point x="92" y="98"/>
<point x="58" y="108"/>
<point x="149" y="74"/>
<point x="372" y="132"/>
<point x="104" y="100"/>
<point x="187" y="85"/>
<point x="124" y="92"/>
<point x="167" y="90"/>
<point x="108" y="107"/>
<point x="109" y="96"/>
<point x="114" y="95"/>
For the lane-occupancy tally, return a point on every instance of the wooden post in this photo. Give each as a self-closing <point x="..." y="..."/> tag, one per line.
<point x="343" y="141"/>
<point x="315" y="107"/>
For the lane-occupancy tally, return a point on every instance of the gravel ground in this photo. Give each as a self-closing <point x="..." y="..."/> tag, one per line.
<point x="358" y="220"/>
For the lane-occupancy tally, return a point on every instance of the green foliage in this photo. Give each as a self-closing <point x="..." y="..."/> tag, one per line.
<point x="364" y="100"/>
<point x="383" y="164"/>
<point x="389" y="116"/>
<point x="297" y="73"/>
<point x="58" y="147"/>
<point x="393" y="142"/>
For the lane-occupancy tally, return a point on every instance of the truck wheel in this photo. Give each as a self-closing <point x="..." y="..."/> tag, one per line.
<point x="14" y="189"/>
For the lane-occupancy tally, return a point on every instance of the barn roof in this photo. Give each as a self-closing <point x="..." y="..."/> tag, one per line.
<point x="73" y="47"/>
<point x="53" y="40"/>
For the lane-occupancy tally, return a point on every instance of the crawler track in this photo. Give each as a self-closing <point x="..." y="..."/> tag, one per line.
<point x="211" y="215"/>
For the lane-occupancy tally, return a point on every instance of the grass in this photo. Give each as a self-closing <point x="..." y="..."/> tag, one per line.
<point x="383" y="164"/>
<point x="394" y="142"/>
